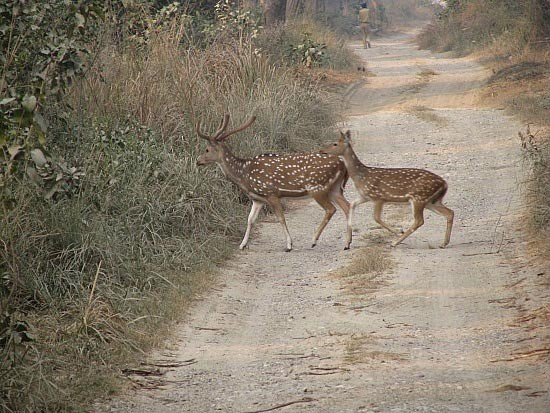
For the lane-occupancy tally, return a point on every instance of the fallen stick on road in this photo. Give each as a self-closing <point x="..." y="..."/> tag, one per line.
<point x="280" y="406"/>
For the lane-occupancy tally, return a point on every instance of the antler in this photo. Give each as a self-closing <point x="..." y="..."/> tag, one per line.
<point x="222" y="127"/>
<point x="198" y="130"/>
<point x="226" y="135"/>
<point x="220" y="135"/>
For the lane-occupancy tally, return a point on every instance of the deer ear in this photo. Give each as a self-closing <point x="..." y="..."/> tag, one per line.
<point x="343" y="137"/>
<point x="347" y="136"/>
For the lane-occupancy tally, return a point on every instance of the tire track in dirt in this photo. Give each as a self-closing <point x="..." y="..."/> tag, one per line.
<point x="282" y="332"/>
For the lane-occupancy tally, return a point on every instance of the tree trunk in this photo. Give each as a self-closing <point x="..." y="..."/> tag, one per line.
<point x="273" y="11"/>
<point x="345" y="8"/>
<point x="293" y="9"/>
<point x="311" y="7"/>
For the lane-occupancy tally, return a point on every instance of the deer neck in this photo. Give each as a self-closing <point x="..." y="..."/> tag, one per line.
<point x="231" y="166"/>
<point x="352" y="162"/>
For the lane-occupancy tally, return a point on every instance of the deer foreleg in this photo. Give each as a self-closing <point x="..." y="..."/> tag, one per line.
<point x="277" y="206"/>
<point x="252" y="217"/>
<point x="353" y="205"/>
<point x="338" y="197"/>
<point x="377" y="214"/>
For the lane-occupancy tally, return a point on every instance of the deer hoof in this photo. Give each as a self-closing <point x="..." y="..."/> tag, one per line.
<point x="313" y="245"/>
<point x="346" y="248"/>
<point x="288" y="249"/>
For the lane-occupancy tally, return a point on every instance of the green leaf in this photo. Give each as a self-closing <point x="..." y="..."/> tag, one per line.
<point x="80" y="20"/>
<point x="33" y="175"/>
<point x="38" y="158"/>
<point x="5" y="101"/>
<point x="41" y="122"/>
<point x="29" y="103"/>
<point x="41" y="137"/>
<point x="14" y="151"/>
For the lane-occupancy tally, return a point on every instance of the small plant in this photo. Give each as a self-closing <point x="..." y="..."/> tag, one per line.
<point x="309" y="53"/>
<point x="232" y="20"/>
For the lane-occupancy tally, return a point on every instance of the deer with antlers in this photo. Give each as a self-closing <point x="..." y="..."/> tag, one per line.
<point x="422" y="189"/>
<point x="268" y="178"/>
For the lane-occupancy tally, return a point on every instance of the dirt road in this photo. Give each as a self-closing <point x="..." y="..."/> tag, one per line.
<point x="433" y="332"/>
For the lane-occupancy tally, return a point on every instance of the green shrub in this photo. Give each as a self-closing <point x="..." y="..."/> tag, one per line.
<point x="95" y="270"/>
<point x="307" y="43"/>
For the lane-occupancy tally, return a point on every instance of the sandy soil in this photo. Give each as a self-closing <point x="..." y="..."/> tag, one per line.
<point x="440" y="332"/>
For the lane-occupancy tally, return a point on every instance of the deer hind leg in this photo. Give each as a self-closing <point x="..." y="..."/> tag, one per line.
<point x="252" y="217"/>
<point x="323" y="200"/>
<point x="418" y="213"/>
<point x="377" y="213"/>
<point x="449" y="214"/>
<point x="277" y="206"/>
<point x="337" y="196"/>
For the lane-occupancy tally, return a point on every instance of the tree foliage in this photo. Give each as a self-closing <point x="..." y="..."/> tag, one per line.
<point x="44" y="46"/>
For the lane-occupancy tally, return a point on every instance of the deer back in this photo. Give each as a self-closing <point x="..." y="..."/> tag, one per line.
<point x="293" y="174"/>
<point x="400" y="184"/>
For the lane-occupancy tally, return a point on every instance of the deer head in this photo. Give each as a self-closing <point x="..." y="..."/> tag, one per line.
<point x="215" y="144"/>
<point x="337" y="148"/>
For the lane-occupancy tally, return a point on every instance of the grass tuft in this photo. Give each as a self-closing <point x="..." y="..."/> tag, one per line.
<point x="426" y="114"/>
<point x="363" y="275"/>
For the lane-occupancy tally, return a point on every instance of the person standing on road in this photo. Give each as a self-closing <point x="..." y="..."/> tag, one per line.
<point x="364" y="24"/>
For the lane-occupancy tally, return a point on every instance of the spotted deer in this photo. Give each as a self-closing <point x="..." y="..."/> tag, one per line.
<point x="268" y="178"/>
<point x="421" y="188"/>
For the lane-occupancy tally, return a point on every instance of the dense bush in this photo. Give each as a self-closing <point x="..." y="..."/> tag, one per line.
<point x="307" y="43"/>
<point x="106" y="223"/>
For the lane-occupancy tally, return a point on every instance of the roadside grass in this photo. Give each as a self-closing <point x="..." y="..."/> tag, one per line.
<point x="510" y="38"/>
<point x="503" y="27"/>
<point x="522" y="89"/>
<point x="94" y="280"/>
<point x="536" y="151"/>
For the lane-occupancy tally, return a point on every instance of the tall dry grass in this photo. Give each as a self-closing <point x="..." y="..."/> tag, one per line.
<point x="100" y="276"/>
